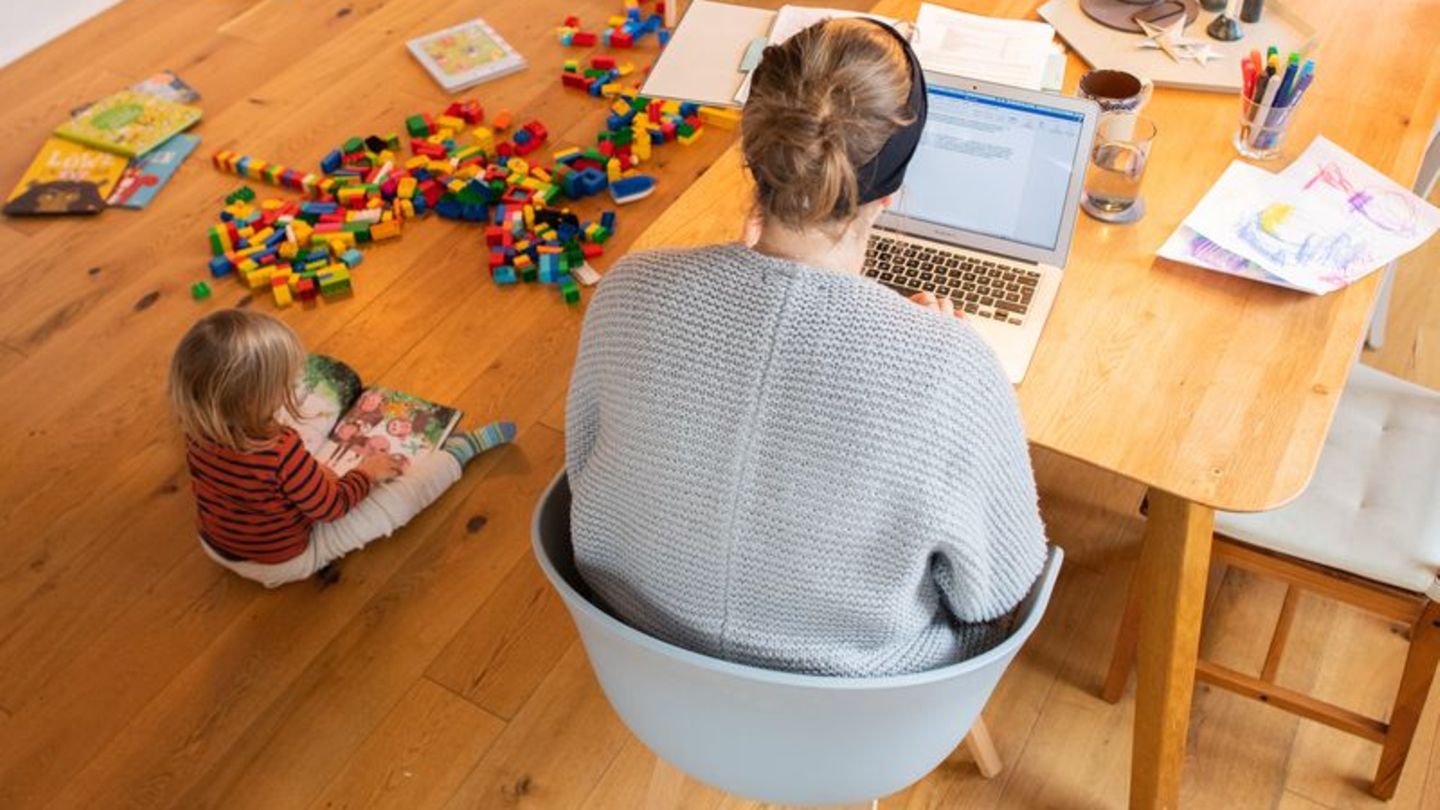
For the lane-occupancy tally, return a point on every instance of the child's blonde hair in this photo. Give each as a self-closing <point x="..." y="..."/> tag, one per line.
<point x="232" y="374"/>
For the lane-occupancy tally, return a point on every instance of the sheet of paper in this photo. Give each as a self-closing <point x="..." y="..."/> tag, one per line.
<point x="1189" y="247"/>
<point x="702" y="61"/>
<point x="1013" y="52"/>
<point x="1325" y="222"/>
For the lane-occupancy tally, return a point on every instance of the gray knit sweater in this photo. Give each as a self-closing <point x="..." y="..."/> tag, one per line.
<point x="795" y="468"/>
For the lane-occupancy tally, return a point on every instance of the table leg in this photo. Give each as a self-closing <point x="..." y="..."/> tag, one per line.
<point x="1174" y="564"/>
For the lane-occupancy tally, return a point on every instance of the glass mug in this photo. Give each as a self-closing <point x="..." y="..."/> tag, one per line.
<point x="1117" y="165"/>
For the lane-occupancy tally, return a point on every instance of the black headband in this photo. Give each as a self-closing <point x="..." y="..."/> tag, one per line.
<point x="884" y="173"/>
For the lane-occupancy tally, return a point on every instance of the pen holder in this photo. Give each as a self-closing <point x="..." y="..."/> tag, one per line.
<point x="1262" y="129"/>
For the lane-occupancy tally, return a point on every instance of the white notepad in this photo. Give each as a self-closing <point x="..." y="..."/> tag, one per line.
<point x="702" y="61"/>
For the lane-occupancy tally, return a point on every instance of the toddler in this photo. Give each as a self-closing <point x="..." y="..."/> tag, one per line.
<point x="268" y="510"/>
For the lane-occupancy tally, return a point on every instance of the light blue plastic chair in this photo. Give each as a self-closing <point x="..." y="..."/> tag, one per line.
<point x="775" y="736"/>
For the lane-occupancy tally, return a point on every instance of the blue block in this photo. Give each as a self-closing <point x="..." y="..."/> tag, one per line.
<point x="664" y="37"/>
<point x="330" y="162"/>
<point x="505" y="274"/>
<point x="591" y="181"/>
<point x="352" y="257"/>
<point x="523" y="136"/>
<point x="449" y="208"/>
<point x="607" y="221"/>
<point x="688" y="109"/>
<point x="220" y="267"/>
<point x="318" y="208"/>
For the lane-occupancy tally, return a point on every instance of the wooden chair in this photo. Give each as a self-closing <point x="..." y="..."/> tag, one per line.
<point x="1366" y="532"/>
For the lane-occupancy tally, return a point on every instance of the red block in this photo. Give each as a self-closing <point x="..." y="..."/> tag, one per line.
<point x="575" y="80"/>
<point x="572" y="21"/>
<point x="583" y="39"/>
<point x="603" y="62"/>
<point x="622" y="39"/>
<point x="591" y="250"/>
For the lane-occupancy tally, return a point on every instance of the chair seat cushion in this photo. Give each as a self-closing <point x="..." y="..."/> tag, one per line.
<point x="1373" y="507"/>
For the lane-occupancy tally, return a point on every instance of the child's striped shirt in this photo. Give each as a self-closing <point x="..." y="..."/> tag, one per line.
<point x="260" y="505"/>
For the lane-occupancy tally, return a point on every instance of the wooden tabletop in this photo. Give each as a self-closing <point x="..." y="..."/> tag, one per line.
<point x="1216" y="389"/>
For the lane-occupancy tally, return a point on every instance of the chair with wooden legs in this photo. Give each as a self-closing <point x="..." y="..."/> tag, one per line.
<point x="1365" y="532"/>
<point x="781" y="737"/>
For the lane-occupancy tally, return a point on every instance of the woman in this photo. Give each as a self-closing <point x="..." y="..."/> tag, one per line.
<point x="779" y="462"/>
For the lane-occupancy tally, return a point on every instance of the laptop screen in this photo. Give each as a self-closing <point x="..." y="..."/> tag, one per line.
<point x="993" y="166"/>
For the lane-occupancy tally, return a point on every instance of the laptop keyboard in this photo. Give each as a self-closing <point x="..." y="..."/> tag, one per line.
<point x="986" y="286"/>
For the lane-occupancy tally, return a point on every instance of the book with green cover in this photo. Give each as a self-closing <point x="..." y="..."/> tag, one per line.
<point x="129" y="123"/>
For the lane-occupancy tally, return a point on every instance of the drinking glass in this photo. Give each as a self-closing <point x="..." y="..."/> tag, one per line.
<point x="1117" y="165"/>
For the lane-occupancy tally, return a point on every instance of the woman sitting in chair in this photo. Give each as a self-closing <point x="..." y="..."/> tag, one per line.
<point x="777" y="461"/>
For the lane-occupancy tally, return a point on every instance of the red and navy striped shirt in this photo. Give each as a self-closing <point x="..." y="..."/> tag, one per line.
<point x="260" y="505"/>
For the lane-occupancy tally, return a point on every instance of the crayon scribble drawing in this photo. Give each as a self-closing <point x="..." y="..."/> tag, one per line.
<point x="1391" y="210"/>
<point x="1290" y="236"/>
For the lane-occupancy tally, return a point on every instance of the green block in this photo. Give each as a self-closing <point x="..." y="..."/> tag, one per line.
<point x="353" y="144"/>
<point x="200" y="291"/>
<point x="392" y="142"/>
<point x="416" y="126"/>
<point x="330" y="287"/>
<point x="529" y="274"/>
<point x="570" y="291"/>
<point x="217" y="247"/>
<point x="623" y="137"/>
<point x="685" y="130"/>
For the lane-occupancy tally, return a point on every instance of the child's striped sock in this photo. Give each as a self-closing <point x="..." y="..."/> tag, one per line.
<point x="466" y="446"/>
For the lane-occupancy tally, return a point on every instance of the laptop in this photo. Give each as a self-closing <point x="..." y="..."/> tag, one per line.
<point x="988" y="208"/>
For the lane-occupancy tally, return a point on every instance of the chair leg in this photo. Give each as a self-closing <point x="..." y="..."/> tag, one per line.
<point x="982" y="748"/>
<point x="1122" y="660"/>
<point x="1281" y="634"/>
<point x="1415" y="682"/>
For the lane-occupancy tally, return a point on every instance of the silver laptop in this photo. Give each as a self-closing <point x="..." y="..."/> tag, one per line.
<point x="988" y="208"/>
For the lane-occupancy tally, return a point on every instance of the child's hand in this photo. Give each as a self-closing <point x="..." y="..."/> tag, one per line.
<point x="380" y="467"/>
<point x="944" y="306"/>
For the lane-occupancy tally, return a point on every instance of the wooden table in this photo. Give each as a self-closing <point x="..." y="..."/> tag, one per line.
<point x="1214" y="392"/>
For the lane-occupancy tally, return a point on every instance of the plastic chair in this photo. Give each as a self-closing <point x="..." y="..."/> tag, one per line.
<point x="775" y="736"/>
<point x="1424" y="183"/>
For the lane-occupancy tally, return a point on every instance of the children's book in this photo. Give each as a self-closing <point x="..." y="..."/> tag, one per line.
<point x="366" y="421"/>
<point x="65" y="178"/>
<point x="166" y="84"/>
<point x="129" y="123"/>
<point x="144" y="178"/>
<point x="466" y="55"/>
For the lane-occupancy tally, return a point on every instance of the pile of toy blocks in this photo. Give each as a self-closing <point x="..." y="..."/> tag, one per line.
<point x="624" y="31"/>
<point x="295" y="251"/>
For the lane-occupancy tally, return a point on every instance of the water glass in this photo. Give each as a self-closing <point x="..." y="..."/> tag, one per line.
<point x="1117" y="165"/>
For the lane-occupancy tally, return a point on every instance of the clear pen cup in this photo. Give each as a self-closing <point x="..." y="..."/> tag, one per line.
<point x="1261" y="135"/>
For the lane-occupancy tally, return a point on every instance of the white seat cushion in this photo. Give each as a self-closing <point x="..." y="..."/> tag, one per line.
<point x="1373" y="507"/>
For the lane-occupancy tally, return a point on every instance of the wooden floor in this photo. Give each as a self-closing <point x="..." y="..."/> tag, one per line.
<point x="441" y="672"/>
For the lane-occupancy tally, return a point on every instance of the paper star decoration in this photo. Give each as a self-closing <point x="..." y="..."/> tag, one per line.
<point x="1172" y="40"/>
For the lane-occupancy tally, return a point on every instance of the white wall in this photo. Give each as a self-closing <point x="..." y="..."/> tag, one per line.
<point x="27" y="24"/>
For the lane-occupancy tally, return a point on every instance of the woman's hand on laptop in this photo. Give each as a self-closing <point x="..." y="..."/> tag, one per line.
<point x="944" y="306"/>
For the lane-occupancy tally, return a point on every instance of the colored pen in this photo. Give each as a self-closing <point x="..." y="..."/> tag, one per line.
<point x="1286" y="84"/>
<point x="1247" y="73"/>
<point x="1262" y="114"/>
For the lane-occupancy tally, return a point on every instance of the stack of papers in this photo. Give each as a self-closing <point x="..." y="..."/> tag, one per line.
<point x="1013" y="52"/>
<point x="717" y="45"/>
<point x="1324" y="223"/>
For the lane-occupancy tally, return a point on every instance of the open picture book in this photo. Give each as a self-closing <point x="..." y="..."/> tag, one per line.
<point x="363" y="421"/>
